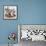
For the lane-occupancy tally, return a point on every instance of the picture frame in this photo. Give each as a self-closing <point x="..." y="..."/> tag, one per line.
<point x="10" y="12"/>
<point x="34" y="30"/>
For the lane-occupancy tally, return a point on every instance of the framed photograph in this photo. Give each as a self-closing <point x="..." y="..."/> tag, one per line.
<point x="10" y="12"/>
<point x="31" y="32"/>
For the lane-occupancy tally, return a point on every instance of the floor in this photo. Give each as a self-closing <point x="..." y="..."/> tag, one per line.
<point x="7" y="45"/>
<point x="30" y="43"/>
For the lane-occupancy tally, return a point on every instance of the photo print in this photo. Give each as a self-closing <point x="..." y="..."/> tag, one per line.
<point x="10" y="12"/>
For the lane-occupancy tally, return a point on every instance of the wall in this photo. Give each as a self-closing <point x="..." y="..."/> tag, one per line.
<point x="29" y="12"/>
